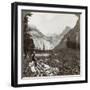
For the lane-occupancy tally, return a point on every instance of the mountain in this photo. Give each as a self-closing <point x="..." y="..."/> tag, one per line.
<point x="71" y="39"/>
<point x="43" y="42"/>
<point x="40" y="40"/>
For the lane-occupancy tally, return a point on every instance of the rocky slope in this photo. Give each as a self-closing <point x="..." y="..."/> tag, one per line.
<point x="71" y="39"/>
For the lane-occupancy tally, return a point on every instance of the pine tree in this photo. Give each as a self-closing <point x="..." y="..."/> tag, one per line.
<point x="28" y="41"/>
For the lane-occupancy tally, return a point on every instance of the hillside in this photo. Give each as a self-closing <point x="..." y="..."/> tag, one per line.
<point x="71" y="39"/>
<point x="43" y="42"/>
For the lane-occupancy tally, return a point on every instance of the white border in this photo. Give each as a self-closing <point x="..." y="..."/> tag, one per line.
<point x="82" y="47"/>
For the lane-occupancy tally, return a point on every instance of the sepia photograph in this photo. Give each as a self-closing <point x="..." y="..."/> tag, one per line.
<point x="50" y="44"/>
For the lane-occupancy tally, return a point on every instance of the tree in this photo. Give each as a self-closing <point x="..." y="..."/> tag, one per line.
<point x="28" y="41"/>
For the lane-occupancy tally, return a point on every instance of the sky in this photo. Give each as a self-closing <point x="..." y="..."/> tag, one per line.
<point x="52" y="23"/>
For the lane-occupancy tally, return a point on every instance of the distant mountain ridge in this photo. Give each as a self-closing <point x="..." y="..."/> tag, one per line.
<point x="46" y="42"/>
